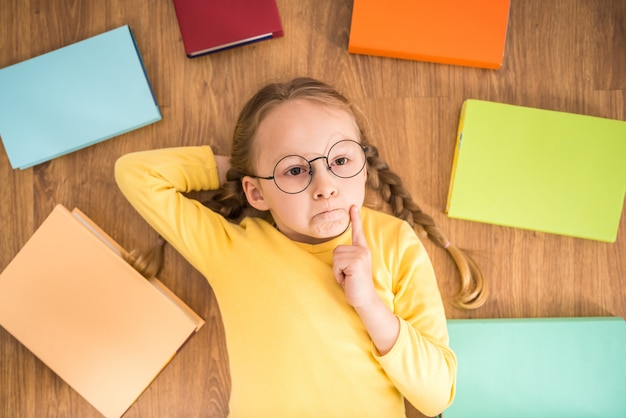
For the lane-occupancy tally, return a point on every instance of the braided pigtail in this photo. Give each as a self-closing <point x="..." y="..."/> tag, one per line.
<point x="388" y="186"/>
<point x="230" y="200"/>
<point x="150" y="263"/>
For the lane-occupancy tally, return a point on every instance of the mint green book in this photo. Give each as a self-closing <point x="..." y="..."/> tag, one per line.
<point x="537" y="169"/>
<point x="74" y="97"/>
<point x="539" y="367"/>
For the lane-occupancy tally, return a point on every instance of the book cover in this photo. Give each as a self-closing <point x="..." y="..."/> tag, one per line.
<point x="74" y="97"/>
<point x="76" y="304"/>
<point x="539" y="367"/>
<point x="540" y="170"/>
<point x="458" y="32"/>
<point x="209" y="26"/>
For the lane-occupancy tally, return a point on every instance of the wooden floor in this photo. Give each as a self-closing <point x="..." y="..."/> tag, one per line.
<point x="567" y="55"/>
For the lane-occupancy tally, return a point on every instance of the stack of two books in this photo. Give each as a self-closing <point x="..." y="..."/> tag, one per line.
<point x="70" y="297"/>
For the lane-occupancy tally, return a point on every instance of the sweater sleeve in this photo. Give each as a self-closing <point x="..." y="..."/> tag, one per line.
<point x="155" y="183"/>
<point x="421" y="364"/>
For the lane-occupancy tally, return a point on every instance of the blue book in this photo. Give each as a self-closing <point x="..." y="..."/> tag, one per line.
<point x="539" y="367"/>
<point x="74" y="97"/>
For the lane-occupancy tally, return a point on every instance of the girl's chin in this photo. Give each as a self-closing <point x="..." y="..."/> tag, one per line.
<point x="321" y="233"/>
<point x="325" y="231"/>
<point x="322" y="228"/>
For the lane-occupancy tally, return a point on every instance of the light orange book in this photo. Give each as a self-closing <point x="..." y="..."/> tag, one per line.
<point x="458" y="32"/>
<point x="75" y="303"/>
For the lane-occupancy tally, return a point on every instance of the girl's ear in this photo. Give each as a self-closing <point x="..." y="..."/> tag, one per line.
<point x="253" y="193"/>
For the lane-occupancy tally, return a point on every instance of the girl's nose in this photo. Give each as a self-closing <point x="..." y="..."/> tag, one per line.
<point x="323" y="181"/>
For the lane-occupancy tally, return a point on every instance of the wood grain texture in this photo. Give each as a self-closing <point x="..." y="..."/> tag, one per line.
<point x="566" y="55"/>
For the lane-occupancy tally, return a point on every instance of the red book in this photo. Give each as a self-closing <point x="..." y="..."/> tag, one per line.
<point x="209" y="26"/>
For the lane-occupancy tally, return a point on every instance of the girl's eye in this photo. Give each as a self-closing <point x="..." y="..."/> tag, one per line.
<point x="340" y="161"/>
<point x="295" y="171"/>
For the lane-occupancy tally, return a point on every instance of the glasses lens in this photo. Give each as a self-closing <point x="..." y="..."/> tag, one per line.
<point x="292" y="174"/>
<point x="346" y="158"/>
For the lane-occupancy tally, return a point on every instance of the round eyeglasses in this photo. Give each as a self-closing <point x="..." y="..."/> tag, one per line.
<point x="294" y="173"/>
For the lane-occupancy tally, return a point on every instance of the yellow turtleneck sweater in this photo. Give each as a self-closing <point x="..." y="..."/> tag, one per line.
<point x="296" y="348"/>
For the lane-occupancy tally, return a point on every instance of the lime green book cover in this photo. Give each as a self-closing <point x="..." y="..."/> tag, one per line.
<point x="537" y="169"/>
<point x="539" y="367"/>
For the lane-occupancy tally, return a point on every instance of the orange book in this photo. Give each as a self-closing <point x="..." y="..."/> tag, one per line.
<point x="459" y="32"/>
<point x="75" y="303"/>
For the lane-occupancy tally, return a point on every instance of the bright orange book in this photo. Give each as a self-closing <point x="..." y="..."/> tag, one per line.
<point x="75" y="303"/>
<point x="458" y="32"/>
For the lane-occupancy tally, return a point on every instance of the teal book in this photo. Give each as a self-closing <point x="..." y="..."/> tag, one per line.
<point x="540" y="170"/>
<point x="74" y="97"/>
<point x="539" y="367"/>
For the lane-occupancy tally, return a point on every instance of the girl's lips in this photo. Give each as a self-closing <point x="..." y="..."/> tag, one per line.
<point x="331" y="214"/>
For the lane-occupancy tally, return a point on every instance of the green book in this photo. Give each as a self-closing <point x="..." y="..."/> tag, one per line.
<point x="541" y="170"/>
<point x="539" y="367"/>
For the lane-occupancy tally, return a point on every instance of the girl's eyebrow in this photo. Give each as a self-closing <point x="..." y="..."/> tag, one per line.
<point x="316" y="154"/>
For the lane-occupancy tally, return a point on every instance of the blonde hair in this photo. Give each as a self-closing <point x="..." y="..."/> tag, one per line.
<point x="230" y="200"/>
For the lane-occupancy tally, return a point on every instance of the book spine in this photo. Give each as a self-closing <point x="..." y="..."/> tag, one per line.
<point x="143" y="67"/>
<point x="457" y="151"/>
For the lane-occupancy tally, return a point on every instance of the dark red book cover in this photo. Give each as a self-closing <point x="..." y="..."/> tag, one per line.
<point x="209" y="26"/>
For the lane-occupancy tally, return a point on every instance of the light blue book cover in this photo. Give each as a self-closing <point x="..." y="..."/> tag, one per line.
<point x="539" y="367"/>
<point x="74" y="97"/>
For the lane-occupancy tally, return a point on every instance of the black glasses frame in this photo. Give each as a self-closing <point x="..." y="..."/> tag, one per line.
<point x="311" y="171"/>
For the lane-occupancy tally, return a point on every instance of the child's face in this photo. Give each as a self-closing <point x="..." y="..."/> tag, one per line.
<point x="321" y="211"/>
